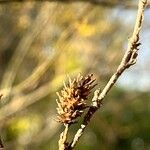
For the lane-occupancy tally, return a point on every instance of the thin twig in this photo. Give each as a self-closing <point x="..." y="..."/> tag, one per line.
<point x="63" y="138"/>
<point x="128" y="60"/>
<point x="95" y="105"/>
<point x="1" y="144"/>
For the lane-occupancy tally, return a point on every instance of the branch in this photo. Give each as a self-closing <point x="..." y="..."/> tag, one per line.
<point x="23" y="48"/>
<point x="128" y="60"/>
<point x="20" y="102"/>
<point x="96" y="103"/>
<point x="63" y="144"/>
<point x="1" y="144"/>
<point x="103" y="3"/>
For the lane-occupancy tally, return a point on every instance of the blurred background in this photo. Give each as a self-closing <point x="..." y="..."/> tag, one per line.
<point x="41" y="42"/>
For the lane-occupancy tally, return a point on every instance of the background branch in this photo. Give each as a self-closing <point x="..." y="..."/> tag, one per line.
<point x="1" y="144"/>
<point x="103" y="3"/>
<point x="23" y="47"/>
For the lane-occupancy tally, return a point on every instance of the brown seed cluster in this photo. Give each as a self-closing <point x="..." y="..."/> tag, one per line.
<point x="71" y="103"/>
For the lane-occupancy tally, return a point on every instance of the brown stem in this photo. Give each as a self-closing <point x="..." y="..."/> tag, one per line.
<point x="63" y="145"/>
<point x="1" y="144"/>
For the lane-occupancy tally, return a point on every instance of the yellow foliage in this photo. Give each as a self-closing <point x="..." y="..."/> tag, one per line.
<point x="85" y="29"/>
<point x="21" y="125"/>
<point x="25" y="124"/>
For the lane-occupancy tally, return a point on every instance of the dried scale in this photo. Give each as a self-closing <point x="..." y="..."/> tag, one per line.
<point x="72" y="98"/>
